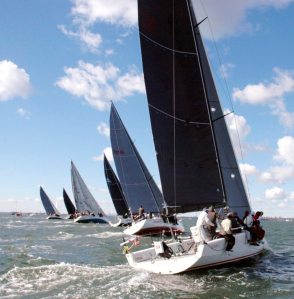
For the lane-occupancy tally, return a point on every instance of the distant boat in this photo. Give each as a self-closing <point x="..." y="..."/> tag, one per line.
<point x="71" y="209"/>
<point x="88" y="209"/>
<point x="117" y="196"/>
<point x="139" y="187"/>
<point x="49" y="207"/>
<point x="196" y="159"/>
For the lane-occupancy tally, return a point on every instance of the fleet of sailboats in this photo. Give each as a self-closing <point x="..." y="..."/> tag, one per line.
<point x="196" y="160"/>
<point x="197" y="164"/>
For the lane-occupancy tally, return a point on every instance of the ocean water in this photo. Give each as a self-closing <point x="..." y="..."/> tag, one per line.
<point x="42" y="258"/>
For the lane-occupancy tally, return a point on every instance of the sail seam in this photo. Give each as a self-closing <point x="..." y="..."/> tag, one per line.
<point x="177" y="118"/>
<point x="167" y="48"/>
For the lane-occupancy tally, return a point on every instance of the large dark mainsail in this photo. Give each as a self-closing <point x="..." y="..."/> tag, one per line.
<point x="137" y="184"/>
<point x="71" y="209"/>
<point x="47" y="203"/>
<point x="115" y="190"/>
<point x="85" y="202"/>
<point x="196" y="160"/>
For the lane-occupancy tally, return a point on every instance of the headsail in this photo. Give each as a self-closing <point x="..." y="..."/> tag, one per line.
<point x="47" y="203"/>
<point x="115" y="190"/>
<point x="68" y="203"/>
<point x="194" y="152"/>
<point x="138" y="186"/>
<point x="84" y="200"/>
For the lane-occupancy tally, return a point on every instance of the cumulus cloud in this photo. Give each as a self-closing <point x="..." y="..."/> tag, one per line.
<point x="23" y="113"/>
<point x="275" y="193"/>
<point x="89" y="40"/>
<point x="248" y="168"/>
<point x="107" y="152"/>
<point x="285" y="150"/>
<point x="271" y="94"/>
<point x="14" y="81"/>
<point x="284" y="155"/>
<point x="119" y="12"/>
<point x="231" y="21"/>
<point x="225" y="69"/>
<point x="103" y="129"/>
<point x="238" y="129"/>
<point x="98" y="84"/>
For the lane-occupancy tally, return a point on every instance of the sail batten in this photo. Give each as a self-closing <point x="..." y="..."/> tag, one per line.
<point x="137" y="184"/>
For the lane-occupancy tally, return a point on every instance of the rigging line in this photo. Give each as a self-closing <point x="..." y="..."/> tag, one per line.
<point x="231" y="103"/>
<point x="179" y="119"/>
<point x="197" y="25"/>
<point x="164" y="47"/>
<point x="223" y="116"/>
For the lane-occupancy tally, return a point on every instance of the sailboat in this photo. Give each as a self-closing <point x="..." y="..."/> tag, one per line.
<point x="88" y="209"/>
<point x="197" y="163"/>
<point x="49" y="207"/>
<point x="139" y="187"/>
<point x="117" y="196"/>
<point x="71" y="209"/>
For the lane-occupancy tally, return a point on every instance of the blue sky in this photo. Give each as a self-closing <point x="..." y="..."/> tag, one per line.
<point x="61" y="62"/>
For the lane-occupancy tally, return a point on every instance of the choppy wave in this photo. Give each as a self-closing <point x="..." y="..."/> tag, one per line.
<point x="44" y="259"/>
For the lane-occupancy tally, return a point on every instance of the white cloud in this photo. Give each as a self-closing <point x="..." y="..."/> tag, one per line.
<point x="109" y="52"/>
<point x="23" y="113"/>
<point x="98" y="85"/>
<point x="275" y="193"/>
<point x="118" y="12"/>
<point x="248" y="168"/>
<point x="278" y="174"/>
<point x="103" y="129"/>
<point x="225" y="69"/>
<point x="238" y="129"/>
<point x="90" y="40"/>
<point x="284" y="155"/>
<point x="14" y="81"/>
<point x="231" y="21"/>
<point x="270" y="94"/>
<point x="107" y="152"/>
<point x="285" y="151"/>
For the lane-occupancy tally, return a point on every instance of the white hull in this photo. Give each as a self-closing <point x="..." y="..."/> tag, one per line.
<point x="91" y="219"/>
<point x="122" y="222"/>
<point x="188" y="256"/>
<point x="153" y="226"/>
